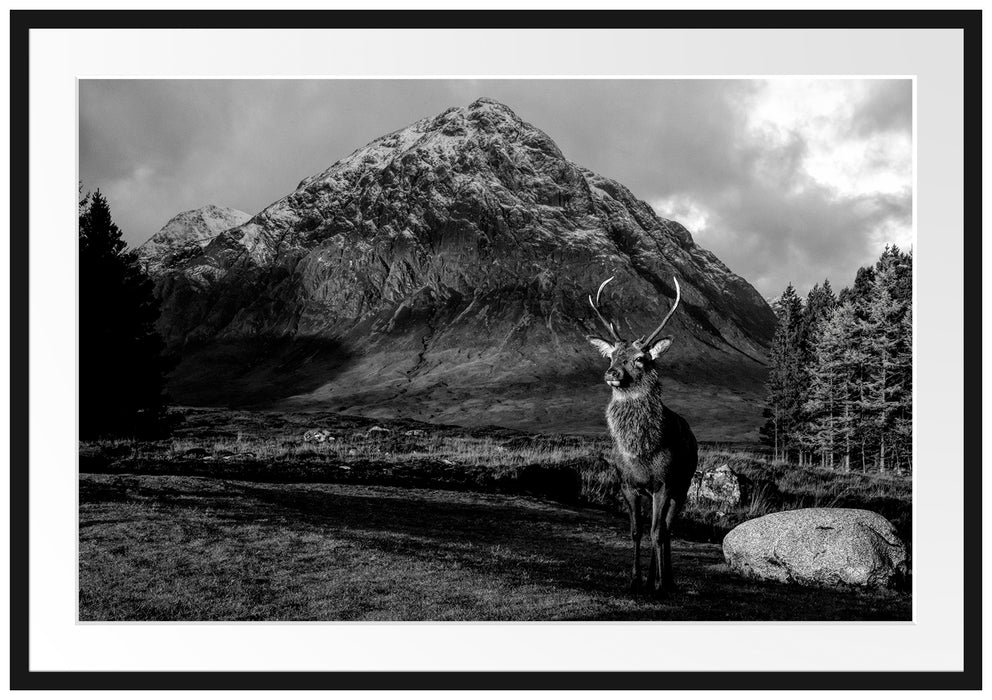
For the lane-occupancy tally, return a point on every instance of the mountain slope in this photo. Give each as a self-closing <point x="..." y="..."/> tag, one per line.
<point x="441" y="272"/>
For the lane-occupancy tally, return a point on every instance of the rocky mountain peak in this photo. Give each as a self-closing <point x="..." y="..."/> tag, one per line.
<point x="187" y="233"/>
<point x="485" y="115"/>
<point x="488" y="115"/>
<point x="445" y="138"/>
<point x="446" y="265"/>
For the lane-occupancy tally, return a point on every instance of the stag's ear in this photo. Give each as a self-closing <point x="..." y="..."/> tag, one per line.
<point x="605" y="348"/>
<point x="660" y="347"/>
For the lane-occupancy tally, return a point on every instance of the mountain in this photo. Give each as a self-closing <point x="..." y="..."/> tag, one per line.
<point x="187" y="233"/>
<point x="441" y="272"/>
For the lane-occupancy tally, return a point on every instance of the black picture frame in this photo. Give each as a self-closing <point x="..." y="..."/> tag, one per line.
<point x="22" y="678"/>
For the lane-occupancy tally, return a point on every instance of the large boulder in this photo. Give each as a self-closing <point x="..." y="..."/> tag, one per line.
<point x="720" y="485"/>
<point x="819" y="546"/>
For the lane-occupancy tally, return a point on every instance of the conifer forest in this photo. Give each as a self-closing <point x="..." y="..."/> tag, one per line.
<point x="840" y="387"/>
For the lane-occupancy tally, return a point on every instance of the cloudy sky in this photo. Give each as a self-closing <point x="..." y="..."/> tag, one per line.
<point x="784" y="180"/>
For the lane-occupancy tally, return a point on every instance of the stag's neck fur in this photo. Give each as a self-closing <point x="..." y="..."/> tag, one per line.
<point x="655" y="445"/>
<point x="631" y="395"/>
<point x="637" y="420"/>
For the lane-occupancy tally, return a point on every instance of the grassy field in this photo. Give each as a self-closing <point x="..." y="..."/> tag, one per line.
<point x="238" y="518"/>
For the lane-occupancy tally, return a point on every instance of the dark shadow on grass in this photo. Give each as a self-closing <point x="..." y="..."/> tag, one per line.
<point x="256" y="371"/>
<point x="544" y="545"/>
<point x="565" y="553"/>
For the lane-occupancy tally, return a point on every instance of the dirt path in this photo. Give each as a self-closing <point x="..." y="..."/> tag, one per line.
<point x="192" y="548"/>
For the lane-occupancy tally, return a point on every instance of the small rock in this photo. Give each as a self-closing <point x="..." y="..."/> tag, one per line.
<point x="819" y="546"/>
<point x="719" y="485"/>
<point x="317" y="435"/>
<point x="377" y="429"/>
<point x="415" y="433"/>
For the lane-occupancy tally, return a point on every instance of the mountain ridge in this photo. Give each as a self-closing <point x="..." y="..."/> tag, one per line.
<point x="446" y="262"/>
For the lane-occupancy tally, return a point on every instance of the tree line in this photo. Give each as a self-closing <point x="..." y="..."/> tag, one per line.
<point x="122" y="359"/>
<point x="840" y="387"/>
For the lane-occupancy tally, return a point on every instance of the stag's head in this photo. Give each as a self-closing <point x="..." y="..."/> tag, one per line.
<point x="632" y="363"/>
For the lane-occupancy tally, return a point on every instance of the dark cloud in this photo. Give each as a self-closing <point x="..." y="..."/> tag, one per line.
<point x="804" y="238"/>
<point x="159" y="147"/>
<point x="888" y="107"/>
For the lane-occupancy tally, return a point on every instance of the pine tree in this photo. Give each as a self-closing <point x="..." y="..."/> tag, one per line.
<point x="888" y="372"/>
<point x="820" y="303"/>
<point x="902" y="268"/>
<point x="785" y="379"/>
<point x="858" y="293"/>
<point x="121" y="364"/>
<point x="902" y="424"/>
<point x="819" y="409"/>
<point x="901" y="435"/>
<point x="833" y="394"/>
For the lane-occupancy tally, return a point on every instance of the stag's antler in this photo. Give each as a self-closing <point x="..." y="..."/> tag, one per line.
<point x="609" y="324"/>
<point x="651" y="338"/>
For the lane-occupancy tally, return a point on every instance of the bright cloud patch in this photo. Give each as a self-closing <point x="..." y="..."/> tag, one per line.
<point x="839" y="154"/>
<point x="817" y="180"/>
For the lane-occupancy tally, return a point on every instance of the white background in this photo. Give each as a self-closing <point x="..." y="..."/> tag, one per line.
<point x="932" y="643"/>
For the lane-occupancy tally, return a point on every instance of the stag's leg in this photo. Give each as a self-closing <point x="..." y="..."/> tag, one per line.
<point x="634" y="503"/>
<point x="660" y="544"/>
<point x="668" y="576"/>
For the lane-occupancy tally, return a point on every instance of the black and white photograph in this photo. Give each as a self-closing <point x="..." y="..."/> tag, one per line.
<point x="496" y="349"/>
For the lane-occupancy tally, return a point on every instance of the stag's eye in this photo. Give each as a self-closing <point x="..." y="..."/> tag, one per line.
<point x="639" y="361"/>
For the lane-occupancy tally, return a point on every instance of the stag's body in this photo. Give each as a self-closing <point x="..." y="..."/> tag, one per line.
<point x="654" y="444"/>
<point x="656" y="451"/>
<point x="656" y="455"/>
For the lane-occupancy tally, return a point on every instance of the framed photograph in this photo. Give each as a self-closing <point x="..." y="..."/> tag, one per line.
<point x="495" y="349"/>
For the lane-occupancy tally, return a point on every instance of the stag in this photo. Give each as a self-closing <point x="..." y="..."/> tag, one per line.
<point x="656" y="450"/>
